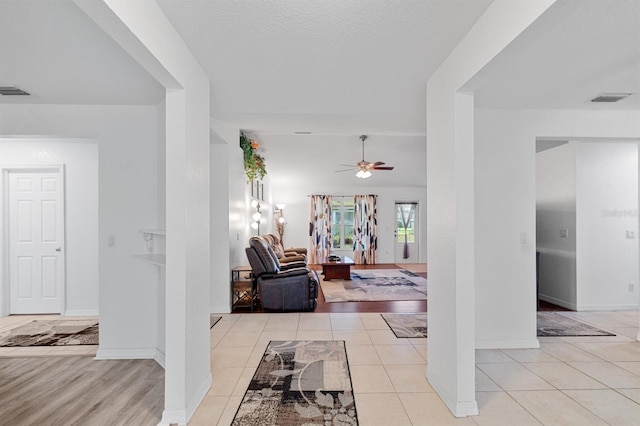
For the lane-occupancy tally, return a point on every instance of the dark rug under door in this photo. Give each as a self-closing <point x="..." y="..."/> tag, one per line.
<point x="58" y="332"/>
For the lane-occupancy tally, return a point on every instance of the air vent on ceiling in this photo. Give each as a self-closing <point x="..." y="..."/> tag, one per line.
<point x="611" y="97"/>
<point x="302" y="133"/>
<point x="12" y="91"/>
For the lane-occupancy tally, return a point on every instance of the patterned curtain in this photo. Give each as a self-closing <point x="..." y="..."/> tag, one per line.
<point x="365" y="229"/>
<point x="320" y="228"/>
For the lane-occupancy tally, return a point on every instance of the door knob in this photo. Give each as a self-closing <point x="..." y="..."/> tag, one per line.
<point x="59" y="249"/>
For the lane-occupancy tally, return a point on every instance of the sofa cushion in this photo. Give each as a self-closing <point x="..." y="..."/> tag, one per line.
<point x="265" y="254"/>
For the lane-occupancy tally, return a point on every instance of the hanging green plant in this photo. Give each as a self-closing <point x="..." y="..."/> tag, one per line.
<point x="254" y="164"/>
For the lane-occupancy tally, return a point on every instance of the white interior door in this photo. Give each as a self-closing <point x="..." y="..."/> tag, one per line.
<point x="406" y="233"/>
<point x="36" y="259"/>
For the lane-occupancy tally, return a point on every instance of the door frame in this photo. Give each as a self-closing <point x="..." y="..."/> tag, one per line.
<point x="4" y="230"/>
<point x="416" y="220"/>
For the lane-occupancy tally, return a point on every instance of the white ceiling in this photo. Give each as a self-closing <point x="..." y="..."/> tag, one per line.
<point x="330" y="66"/>
<point x="52" y="50"/>
<point x="577" y="50"/>
<point x="290" y="158"/>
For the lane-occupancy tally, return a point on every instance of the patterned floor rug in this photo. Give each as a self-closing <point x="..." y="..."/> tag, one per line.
<point x="549" y="324"/>
<point x="213" y="320"/>
<point x="300" y="383"/>
<point x="376" y="284"/>
<point x="555" y="324"/>
<point x="52" y="333"/>
<point x="407" y="325"/>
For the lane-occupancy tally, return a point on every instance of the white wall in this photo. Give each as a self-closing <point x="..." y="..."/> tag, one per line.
<point x="237" y="195"/>
<point x="300" y="165"/>
<point x="505" y="140"/>
<point x="556" y="211"/>
<point x="297" y="213"/>
<point x="607" y="206"/>
<point x="127" y="201"/>
<point x="80" y="158"/>
<point x="220" y="275"/>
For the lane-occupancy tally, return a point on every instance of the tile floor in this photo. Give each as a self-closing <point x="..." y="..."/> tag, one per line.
<point x="568" y="381"/>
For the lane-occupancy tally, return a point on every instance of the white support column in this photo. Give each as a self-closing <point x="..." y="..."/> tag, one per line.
<point x="450" y="201"/>
<point x="142" y="29"/>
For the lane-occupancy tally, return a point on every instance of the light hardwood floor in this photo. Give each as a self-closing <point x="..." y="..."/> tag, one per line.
<point x="78" y="390"/>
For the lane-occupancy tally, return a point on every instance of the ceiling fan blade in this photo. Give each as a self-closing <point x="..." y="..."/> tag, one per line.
<point x="348" y="170"/>
<point x="378" y="163"/>
<point x="347" y="165"/>
<point x="383" y="168"/>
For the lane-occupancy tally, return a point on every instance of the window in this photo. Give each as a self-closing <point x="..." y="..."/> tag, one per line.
<point x="405" y="214"/>
<point x="342" y="223"/>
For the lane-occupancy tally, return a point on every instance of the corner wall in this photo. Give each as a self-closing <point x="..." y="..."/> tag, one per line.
<point x="607" y="209"/>
<point x="80" y="159"/>
<point x="506" y="268"/>
<point x="556" y="213"/>
<point x="127" y="202"/>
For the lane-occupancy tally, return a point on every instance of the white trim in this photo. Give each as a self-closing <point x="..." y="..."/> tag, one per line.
<point x="457" y="408"/>
<point x="558" y="302"/>
<point x="126" y="353"/>
<point x="173" y="417"/>
<point x="219" y="310"/>
<point x="181" y="417"/>
<point x="80" y="313"/>
<point x="200" y="393"/>
<point x="4" y="229"/>
<point x="607" y="307"/>
<point x="160" y="358"/>
<point x="508" y="344"/>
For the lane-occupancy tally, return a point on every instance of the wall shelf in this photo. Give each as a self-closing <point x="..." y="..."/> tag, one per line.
<point x="155" y="258"/>
<point x="152" y="256"/>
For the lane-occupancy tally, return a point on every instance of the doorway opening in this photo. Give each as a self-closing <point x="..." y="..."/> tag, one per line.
<point x="406" y="241"/>
<point x="33" y="250"/>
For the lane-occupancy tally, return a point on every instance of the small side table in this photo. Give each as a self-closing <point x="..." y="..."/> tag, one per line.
<point x="340" y="269"/>
<point x="243" y="291"/>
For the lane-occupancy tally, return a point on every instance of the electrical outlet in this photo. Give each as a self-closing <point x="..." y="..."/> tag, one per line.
<point x="631" y="287"/>
<point x="564" y="233"/>
<point x="630" y="235"/>
<point x="111" y="240"/>
<point x="524" y="238"/>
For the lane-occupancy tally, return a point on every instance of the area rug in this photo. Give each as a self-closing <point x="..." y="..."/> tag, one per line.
<point x="555" y="324"/>
<point x="52" y="333"/>
<point x="300" y="383"/>
<point x="550" y="324"/>
<point x="213" y="320"/>
<point x="407" y="325"/>
<point x="376" y="284"/>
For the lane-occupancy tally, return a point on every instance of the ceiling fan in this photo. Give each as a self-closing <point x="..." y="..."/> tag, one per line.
<point x="364" y="167"/>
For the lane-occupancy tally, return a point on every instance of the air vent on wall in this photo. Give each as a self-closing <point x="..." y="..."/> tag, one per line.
<point x="611" y="97"/>
<point x="12" y="91"/>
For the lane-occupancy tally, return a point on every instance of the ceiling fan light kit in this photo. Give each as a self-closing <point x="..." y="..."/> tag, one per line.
<point x="364" y="167"/>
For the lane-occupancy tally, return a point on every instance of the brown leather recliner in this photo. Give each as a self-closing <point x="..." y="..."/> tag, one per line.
<point x="293" y="254"/>
<point x="290" y="287"/>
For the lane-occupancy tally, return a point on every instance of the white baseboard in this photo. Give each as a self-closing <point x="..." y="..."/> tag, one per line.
<point x="607" y="308"/>
<point x="173" y="417"/>
<point x="80" y="313"/>
<point x="508" y="344"/>
<point x="199" y="395"/>
<point x="126" y="353"/>
<point x="160" y="359"/>
<point x="457" y="408"/>
<point x="558" y="302"/>
<point x="181" y="417"/>
<point x="220" y="309"/>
